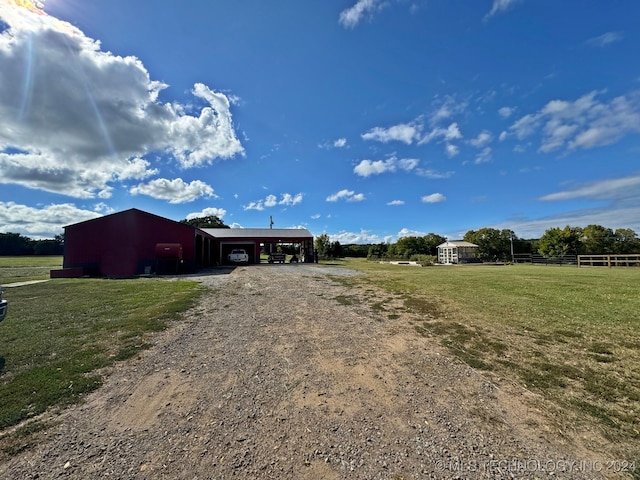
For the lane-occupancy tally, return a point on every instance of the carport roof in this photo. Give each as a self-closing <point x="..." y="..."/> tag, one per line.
<point x="282" y="234"/>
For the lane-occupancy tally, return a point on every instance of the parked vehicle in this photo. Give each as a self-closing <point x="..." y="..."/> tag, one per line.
<point x="4" y="306"/>
<point x="277" y="258"/>
<point x="238" y="256"/>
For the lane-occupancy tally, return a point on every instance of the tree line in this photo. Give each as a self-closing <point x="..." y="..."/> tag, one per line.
<point x="495" y="244"/>
<point x="16" y="244"/>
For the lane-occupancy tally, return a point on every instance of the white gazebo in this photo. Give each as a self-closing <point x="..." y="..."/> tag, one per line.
<point x="456" y="251"/>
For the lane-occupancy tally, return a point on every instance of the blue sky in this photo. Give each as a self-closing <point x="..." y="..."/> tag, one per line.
<point x="367" y="120"/>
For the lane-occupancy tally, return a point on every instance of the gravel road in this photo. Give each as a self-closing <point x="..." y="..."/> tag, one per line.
<point x="274" y="374"/>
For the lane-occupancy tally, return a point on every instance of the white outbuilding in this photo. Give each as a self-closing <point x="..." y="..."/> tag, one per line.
<point x="457" y="251"/>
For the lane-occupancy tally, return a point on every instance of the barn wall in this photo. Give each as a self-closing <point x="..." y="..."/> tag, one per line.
<point x="123" y="244"/>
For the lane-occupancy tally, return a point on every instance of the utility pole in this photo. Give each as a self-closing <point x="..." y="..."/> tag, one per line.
<point x="270" y="222"/>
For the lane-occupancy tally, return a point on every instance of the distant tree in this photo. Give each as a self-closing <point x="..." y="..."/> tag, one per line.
<point x="626" y="241"/>
<point x="431" y="242"/>
<point x="322" y="244"/>
<point x="15" y="244"/>
<point x="493" y="244"/>
<point x="596" y="240"/>
<point x="557" y="242"/>
<point x="379" y="250"/>
<point x="210" y="221"/>
<point x="355" y="250"/>
<point x="335" y="251"/>
<point x="48" y="247"/>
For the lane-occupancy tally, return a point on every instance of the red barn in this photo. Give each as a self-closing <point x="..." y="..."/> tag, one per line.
<point x="133" y="242"/>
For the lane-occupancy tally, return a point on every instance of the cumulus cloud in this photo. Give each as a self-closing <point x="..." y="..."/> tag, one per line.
<point x="351" y="17"/>
<point x="361" y="237"/>
<point x="208" y="212"/>
<point x="484" y="156"/>
<point x="367" y="168"/>
<point x="434" y="198"/>
<point x="109" y="122"/>
<point x="347" y="195"/>
<point x="395" y="202"/>
<point x="404" y="132"/>
<point x="270" y="201"/>
<point x="340" y="143"/>
<point x="605" y="39"/>
<point x="581" y="124"/>
<point x="42" y="222"/>
<point x="173" y="191"/>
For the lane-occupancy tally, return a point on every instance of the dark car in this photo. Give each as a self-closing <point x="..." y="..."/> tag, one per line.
<point x="3" y="306"/>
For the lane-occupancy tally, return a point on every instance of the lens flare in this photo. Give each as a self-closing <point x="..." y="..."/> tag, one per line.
<point x="34" y="6"/>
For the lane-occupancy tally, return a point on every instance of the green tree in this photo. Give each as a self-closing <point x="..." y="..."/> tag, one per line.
<point x="210" y="221"/>
<point x="335" y="251"/>
<point x="15" y="244"/>
<point x="431" y="242"/>
<point x="322" y="244"/>
<point x="379" y="250"/>
<point x="557" y="242"/>
<point x="626" y="241"/>
<point x="597" y="240"/>
<point x="493" y="244"/>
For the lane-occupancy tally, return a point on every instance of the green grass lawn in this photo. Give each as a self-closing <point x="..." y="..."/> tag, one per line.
<point x="571" y="334"/>
<point x="25" y="268"/>
<point x="58" y="334"/>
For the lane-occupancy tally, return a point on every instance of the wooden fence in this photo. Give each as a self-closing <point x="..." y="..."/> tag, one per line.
<point x="629" y="260"/>
<point x="536" y="259"/>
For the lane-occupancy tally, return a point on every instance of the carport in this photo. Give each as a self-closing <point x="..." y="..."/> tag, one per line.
<point x="250" y="239"/>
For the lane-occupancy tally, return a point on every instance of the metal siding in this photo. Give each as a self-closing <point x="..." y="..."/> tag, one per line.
<point x="124" y="243"/>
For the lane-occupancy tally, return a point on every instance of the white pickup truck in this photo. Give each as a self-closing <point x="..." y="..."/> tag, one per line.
<point x="238" y="256"/>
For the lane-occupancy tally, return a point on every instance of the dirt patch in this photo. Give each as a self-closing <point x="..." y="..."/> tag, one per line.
<point x="271" y="377"/>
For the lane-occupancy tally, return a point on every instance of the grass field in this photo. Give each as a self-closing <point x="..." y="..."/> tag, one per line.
<point x="571" y="334"/>
<point x="58" y="334"/>
<point x="22" y="269"/>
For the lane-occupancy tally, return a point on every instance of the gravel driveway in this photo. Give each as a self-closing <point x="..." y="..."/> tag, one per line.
<point x="275" y="375"/>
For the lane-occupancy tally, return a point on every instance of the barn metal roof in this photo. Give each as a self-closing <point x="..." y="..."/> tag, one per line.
<point x="281" y="234"/>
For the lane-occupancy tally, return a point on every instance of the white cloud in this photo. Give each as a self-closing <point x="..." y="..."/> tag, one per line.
<point x="452" y="150"/>
<point x="340" y="143"/>
<point x="368" y="167"/>
<point x="208" y="212"/>
<point x="582" y="124"/>
<point x="605" y="39"/>
<point x="405" y="232"/>
<point x="395" y="202"/>
<point x="452" y="132"/>
<point x="405" y="132"/>
<point x="174" y="191"/>
<point x="108" y="120"/>
<point x="610" y="189"/>
<point x="434" y="198"/>
<point x="45" y="222"/>
<point x="316" y="216"/>
<point x="483" y="139"/>
<point x="361" y="237"/>
<point x="350" y="17"/>
<point x="506" y="112"/>
<point x="347" y="195"/>
<point x="434" y="174"/>
<point x="484" y="156"/>
<point x="500" y="6"/>
<point x="270" y="201"/>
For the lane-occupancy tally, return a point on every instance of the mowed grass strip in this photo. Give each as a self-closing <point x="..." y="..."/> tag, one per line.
<point x="25" y="268"/>
<point x="59" y="333"/>
<point x="571" y="334"/>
